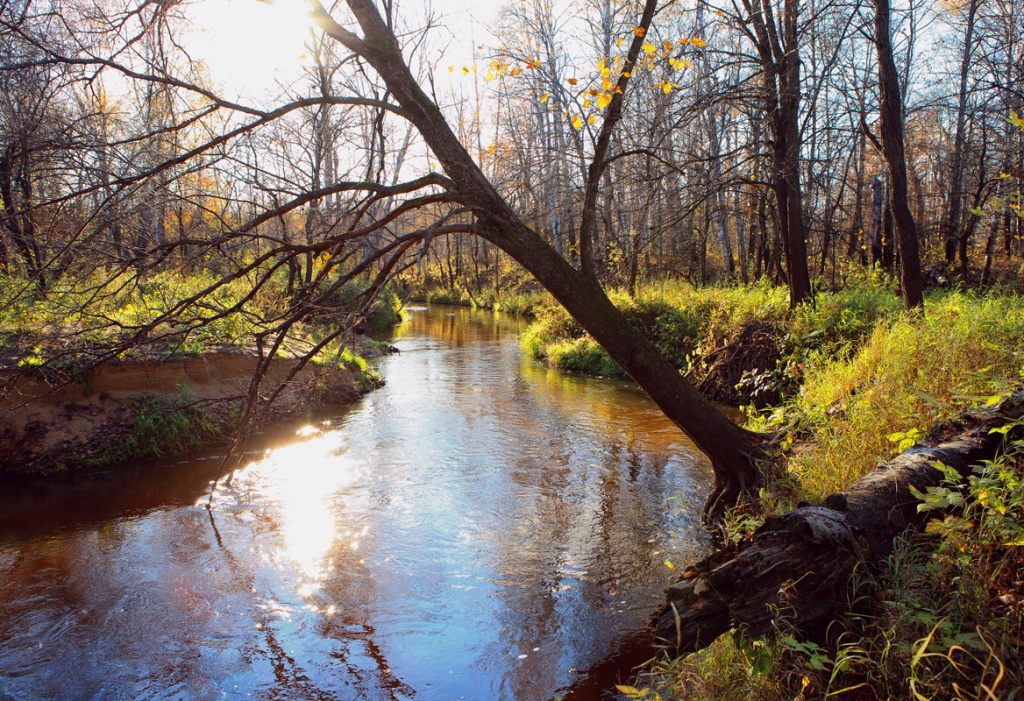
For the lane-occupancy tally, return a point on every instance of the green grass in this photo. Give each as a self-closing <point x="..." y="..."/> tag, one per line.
<point x="685" y="322"/>
<point x="909" y="373"/>
<point x="187" y="312"/>
<point x="518" y="301"/>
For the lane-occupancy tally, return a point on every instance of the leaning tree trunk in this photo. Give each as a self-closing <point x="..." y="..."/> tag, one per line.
<point x="733" y="451"/>
<point x="797" y="568"/>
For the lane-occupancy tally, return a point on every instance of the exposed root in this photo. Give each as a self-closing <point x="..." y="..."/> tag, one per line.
<point x="745" y="370"/>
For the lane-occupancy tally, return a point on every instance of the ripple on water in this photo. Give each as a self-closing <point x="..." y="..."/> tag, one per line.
<point x="481" y="527"/>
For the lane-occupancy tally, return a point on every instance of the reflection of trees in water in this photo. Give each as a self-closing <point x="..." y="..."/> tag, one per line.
<point x="588" y="519"/>
<point x="348" y="640"/>
<point x="459" y="326"/>
<point x="111" y="609"/>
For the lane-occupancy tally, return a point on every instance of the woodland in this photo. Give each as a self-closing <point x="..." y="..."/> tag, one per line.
<point x="832" y="170"/>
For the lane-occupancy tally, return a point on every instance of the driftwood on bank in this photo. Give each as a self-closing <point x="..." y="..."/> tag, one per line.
<point x="796" y="568"/>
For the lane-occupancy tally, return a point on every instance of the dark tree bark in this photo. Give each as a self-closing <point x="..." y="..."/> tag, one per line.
<point x="954" y="206"/>
<point x="779" y="55"/>
<point x="733" y="450"/>
<point x="791" y="204"/>
<point x="797" y="568"/>
<point x="893" y="148"/>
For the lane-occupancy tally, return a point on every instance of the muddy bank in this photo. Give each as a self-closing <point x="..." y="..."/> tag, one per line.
<point x="51" y="423"/>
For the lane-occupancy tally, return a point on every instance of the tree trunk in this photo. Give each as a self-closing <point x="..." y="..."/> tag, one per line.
<point x="732" y="449"/>
<point x="796" y="569"/>
<point x="877" y="229"/>
<point x="791" y="206"/>
<point x="891" y="128"/>
<point x="954" y="206"/>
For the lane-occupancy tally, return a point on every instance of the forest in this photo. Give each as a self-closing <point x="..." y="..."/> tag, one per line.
<point x="810" y="210"/>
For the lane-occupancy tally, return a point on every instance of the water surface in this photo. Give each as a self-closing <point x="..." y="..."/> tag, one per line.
<point x="480" y="528"/>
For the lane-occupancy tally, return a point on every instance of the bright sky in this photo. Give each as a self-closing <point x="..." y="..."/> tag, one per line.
<point x="250" y="47"/>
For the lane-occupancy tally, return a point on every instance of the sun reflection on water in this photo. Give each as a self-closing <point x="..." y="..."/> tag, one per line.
<point x="299" y="484"/>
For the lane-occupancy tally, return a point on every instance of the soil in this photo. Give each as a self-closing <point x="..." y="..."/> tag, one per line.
<point x="51" y="422"/>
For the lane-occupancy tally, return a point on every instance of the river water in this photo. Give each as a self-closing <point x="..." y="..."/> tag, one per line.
<point x="480" y="528"/>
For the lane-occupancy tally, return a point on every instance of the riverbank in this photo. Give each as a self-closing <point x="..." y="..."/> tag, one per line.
<point x="156" y="406"/>
<point x="847" y="384"/>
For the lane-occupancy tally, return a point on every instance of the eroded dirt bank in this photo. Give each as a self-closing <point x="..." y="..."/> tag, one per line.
<point x="50" y="423"/>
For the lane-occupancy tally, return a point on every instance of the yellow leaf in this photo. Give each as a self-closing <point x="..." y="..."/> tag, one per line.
<point x="626" y="73"/>
<point x="576" y="122"/>
<point x="605" y="72"/>
<point x="668" y="45"/>
<point x="465" y="71"/>
<point x="618" y="42"/>
<point x="639" y="31"/>
<point x="667" y="87"/>
<point x="495" y="66"/>
<point x="617" y="90"/>
<point x="451" y="69"/>
<point x="683" y="64"/>
<point x="587" y="103"/>
<point x="684" y="42"/>
<point x="592" y="119"/>
<point x="602" y="100"/>
<point x="490" y="149"/>
<point x="668" y="564"/>
<point x="649" y="48"/>
<point x="515" y="71"/>
<point x="544" y="97"/>
<point x="606" y="85"/>
<point x="572" y="81"/>
<point x="489" y="76"/>
<point x="698" y="42"/>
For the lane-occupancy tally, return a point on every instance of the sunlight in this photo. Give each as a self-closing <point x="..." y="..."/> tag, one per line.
<point x="300" y="481"/>
<point x="249" y="46"/>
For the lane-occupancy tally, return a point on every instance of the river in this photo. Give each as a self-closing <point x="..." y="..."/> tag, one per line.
<point x="482" y="527"/>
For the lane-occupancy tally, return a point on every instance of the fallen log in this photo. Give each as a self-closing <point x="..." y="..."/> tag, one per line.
<point x="796" y="568"/>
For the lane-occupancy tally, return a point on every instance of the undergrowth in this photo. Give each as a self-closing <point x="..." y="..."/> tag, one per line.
<point x="686" y="323"/>
<point x="173" y="313"/>
<point x="941" y="618"/>
<point x="520" y="300"/>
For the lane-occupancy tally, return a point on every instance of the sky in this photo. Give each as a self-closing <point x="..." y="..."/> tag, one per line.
<point x="251" y="47"/>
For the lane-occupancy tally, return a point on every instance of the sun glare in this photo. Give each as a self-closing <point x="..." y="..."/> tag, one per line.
<point x="300" y="483"/>
<point x="249" y="47"/>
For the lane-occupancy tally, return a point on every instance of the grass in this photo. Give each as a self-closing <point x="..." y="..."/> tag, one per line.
<point x="685" y="322"/>
<point x="514" y="301"/>
<point x="173" y="313"/>
<point x="909" y="373"/>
